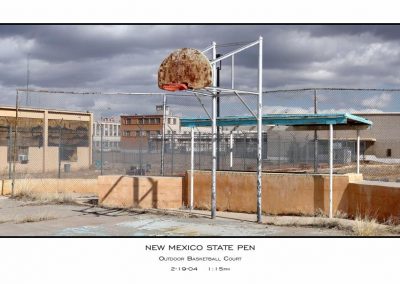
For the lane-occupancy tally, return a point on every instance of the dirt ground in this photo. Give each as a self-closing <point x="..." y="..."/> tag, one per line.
<point x="81" y="216"/>
<point x="30" y="218"/>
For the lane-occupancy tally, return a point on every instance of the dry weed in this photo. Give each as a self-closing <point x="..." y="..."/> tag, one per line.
<point x="34" y="218"/>
<point x="367" y="226"/>
<point x="27" y="194"/>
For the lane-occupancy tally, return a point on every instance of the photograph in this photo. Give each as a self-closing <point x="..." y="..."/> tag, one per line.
<point x="256" y="130"/>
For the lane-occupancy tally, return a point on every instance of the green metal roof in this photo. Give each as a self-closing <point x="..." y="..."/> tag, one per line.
<point x="282" y="119"/>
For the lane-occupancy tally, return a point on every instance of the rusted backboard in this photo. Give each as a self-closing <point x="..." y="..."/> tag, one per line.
<point x="185" y="68"/>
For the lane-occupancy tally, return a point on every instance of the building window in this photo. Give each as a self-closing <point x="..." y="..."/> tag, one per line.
<point x="388" y="152"/>
<point x="157" y="121"/>
<point x="128" y="121"/>
<point x="127" y="133"/>
<point x="69" y="153"/>
<point x="22" y="154"/>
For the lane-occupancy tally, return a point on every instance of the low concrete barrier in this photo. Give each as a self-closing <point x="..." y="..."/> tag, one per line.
<point x="141" y="192"/>
<point x="84" y="186"/>
<point x="282" y="193"/>
<point x="379" y="200"/>
<point x="300" y="194"/>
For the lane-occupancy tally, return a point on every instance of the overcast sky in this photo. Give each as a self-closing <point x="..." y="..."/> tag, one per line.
<point x="126" y="59"/>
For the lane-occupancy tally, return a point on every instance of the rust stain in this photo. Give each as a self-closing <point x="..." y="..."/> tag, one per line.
<point x="186" y="67"/>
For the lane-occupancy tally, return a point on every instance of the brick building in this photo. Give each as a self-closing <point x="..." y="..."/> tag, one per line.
<point x="136" y="130"/>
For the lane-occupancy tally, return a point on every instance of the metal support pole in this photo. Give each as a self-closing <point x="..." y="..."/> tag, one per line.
<point x="60" y="151"/>
<point x="172" y="152"/>
<point x="330" y="170"/>
<point x="315" y="136"/>
<point x="233" y="73"/>
<point x="15" y="145"/>
<point x="259" y="130"/>
<point x="191" y="168"/>
<point x="231" y="151"/>
<point x="101" y="146"/>
<point x="163" y="135"/>
<point x="358" y="151"/>
<point x="200" y="150"/>
<point x="218" y="115"/>
<point x="9" y="150"/>
<point x="214" y="141"/>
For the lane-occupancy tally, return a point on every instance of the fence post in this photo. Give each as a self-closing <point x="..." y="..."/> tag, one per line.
<point x="163" y="135"/>
<point x="315" y="136"/>
<point x="172" y="153"/>
<point x="15" y="144"/>
<point x="59" y="152"/>
<point x="9" y="150"/>
<point x="101" y="146"/>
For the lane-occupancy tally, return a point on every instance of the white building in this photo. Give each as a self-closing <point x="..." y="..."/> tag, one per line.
<point x="111" y="134"/>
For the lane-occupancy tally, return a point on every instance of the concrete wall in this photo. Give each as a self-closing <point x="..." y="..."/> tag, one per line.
<point x="379" y="200"/>
<point x="282" y="193"/>
<point x="298" y="194"/>
<point x="141" y="191"/>
<point x="85" y="186"/>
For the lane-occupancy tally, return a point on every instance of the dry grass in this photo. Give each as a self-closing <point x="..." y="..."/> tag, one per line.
<point x="26" y="194"/>
<point x="34" y="218"/>
<point x="368" y="226"/>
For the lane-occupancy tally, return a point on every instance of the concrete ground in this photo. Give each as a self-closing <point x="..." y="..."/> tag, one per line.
<point x="28" y="218"/>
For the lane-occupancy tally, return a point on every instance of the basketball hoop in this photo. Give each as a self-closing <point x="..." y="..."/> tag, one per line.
<point x="174" y="87"/>
<point x="184" y="69"/>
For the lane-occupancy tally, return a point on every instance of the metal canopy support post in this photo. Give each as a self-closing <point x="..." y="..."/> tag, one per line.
<point x="231" y="151"/>
<point x="163" y="135"/>
<point x="330" y="170"/>
<point x="15" y="144"/>
<point x="315" y="136"/>
<point x="214" y="140"/>
<point x="191" y="167"/>
<point x="101" y="145"/>
<point x="259" y="130"/>
<point x="358" y="151"/>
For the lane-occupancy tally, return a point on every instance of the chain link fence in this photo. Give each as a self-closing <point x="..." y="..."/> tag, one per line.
<point x="84" y="136"/>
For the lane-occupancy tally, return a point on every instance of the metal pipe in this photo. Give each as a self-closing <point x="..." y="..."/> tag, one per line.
<point x="163" y="136"/>
<point x="202" y="105"/>
<point x="259" y="130"/>
<point x="218" y="115"/>
<point x="358" y="151"/>
<point x="15" y="144"/>
<point x="244" y="103"/>
<point x="191" y="168"/>
<point x="233" y="72"/>
<point x="101" y="145"/>
<point x="231" y="151"/>
<point x="60" y="150"/>
<point x="225" y="90"/>
<point x="315" y="136"/>
<point x="215" y="60"/>
<point x="214" y="141"/>
<point x="207" y="48"/>
<point x="330" y="170"/>
<point x="9" y="150"/>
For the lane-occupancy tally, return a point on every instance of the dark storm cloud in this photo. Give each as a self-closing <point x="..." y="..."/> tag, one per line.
<point x="126" y="58"/>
